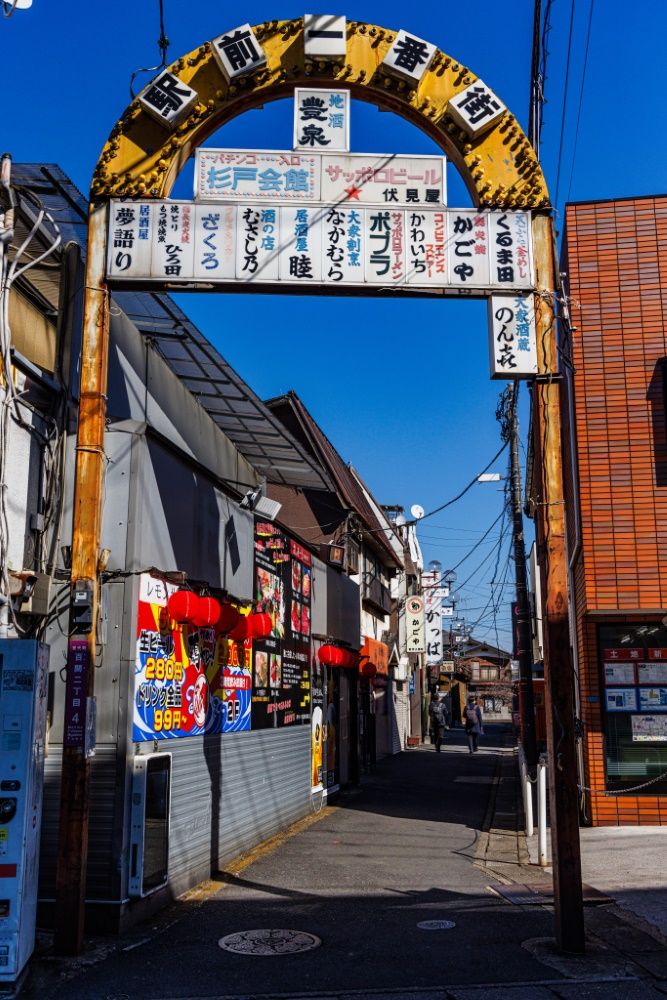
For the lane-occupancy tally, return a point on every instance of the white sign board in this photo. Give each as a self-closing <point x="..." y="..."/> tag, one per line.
<point x="322" y="119"/>
<point x="238" y="52"/>
<point x="409" y="57"/>
<point x="373" y="179"/>
<point x="476" y="108"/>
<point x="433" y="618"/>
<point x="186" y="242"/>
<point x="242" y="175"/>
<point x="512" y="336"/>
<point x="414" y="625"/>
<point x="247" y="175"/>
<point x="649" y="728"/>
<point x="324" y="36"/>
<point x="168" y="99"/>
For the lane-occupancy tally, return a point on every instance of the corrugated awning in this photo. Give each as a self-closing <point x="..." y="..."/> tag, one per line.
<point x="248" y="423"/>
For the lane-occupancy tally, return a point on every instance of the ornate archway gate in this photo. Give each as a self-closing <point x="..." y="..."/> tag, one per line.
<point x="141" y="160"/>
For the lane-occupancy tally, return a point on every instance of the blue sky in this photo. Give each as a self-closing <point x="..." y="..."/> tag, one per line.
<point x="401" y="388"/>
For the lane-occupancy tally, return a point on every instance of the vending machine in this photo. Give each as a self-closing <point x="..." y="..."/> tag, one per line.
<point x="24" y="672"/>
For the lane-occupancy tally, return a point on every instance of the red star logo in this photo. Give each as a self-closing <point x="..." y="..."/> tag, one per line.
<point x="353" y="192"/>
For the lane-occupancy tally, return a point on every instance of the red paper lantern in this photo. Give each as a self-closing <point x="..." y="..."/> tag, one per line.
<point x="206" y="613"/>
<point x="368" y="669"/>
<point x="260" y="625"/>
<point x="241" y="630"/>
<point x="330" y="656"/>
<point x="182" y="605"/>
<point x="229" y="618"/>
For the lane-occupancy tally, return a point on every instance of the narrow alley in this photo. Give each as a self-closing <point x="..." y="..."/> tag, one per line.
<point x="410" y="847"/>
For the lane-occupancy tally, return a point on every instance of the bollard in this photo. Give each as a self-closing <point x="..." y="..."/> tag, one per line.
<point x="527" y="793"/>
<point x="542" y="811"/>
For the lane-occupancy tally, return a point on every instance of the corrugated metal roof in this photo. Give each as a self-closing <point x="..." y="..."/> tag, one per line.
<point x="239" y="412"/>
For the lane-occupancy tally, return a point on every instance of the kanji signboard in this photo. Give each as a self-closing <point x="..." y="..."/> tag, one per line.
<point x="186" y="243"/>
<point x="322" y="119"/>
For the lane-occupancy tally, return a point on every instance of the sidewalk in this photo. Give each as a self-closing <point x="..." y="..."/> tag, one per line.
<point x="395" y="884"/>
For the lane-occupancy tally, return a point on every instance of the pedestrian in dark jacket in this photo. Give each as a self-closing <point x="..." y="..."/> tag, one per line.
<point x="472" y="718"/>
<point x="437" y="714"/>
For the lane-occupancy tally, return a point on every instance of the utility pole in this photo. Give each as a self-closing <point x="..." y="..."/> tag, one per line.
<point x="508" y="413"/>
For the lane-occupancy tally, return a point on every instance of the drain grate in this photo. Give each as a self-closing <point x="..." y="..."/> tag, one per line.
<point x="537" y="894"/>
<point x="436" y="925"/>
<point x="269" y="941"/>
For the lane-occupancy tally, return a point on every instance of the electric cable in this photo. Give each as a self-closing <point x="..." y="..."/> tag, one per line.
<point x="565" y="96"/>
<point x="581" y="98"/>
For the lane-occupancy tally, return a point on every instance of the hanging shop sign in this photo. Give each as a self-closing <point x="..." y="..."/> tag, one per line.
<point x="242" y="175"/>
<point x="376" y="653"/>
<point x="282" y="660"/>
<point x="512" y="337"/>
<point x="415" y="625"/>
<point x="185" y="243"/>
<point x="189" y="679"/>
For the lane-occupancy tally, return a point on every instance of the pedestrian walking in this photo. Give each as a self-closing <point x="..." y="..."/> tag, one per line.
<point x="473" y="723"/>
<point x="437" y="714"/>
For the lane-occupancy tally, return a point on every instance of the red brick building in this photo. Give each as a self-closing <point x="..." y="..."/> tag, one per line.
<point x="614" y="366"/>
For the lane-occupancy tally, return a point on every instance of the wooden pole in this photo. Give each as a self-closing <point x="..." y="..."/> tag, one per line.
<point x="86" y="530"/>
<point x="558" y="668"/>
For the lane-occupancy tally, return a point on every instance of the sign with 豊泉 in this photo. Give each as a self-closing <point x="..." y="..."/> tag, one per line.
<point x="458" y="251"/>
<point x="322" y="119"/>
<point x="243" y="175"/>
<point x="512" y="337"/>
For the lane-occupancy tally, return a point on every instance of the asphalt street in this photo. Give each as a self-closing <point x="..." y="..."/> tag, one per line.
<point x="405" y="849"/>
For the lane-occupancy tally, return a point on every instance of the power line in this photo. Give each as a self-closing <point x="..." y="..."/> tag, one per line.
<point x="581" y="97"/>
<point x="565" y="95"/>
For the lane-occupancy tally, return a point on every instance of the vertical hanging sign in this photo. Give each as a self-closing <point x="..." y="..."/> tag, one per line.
<point x="415" y="625"/>
<point x="512" y="337"/>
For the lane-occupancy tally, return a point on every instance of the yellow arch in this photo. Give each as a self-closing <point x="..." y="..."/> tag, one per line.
<point x="142" y="159"/>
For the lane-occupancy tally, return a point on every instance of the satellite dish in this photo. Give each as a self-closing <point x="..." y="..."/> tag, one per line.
<point x="417" y="512"/>
<point x="9" y="6"/>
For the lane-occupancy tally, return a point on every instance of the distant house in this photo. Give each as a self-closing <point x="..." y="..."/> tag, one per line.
<point x="490" y="677"/>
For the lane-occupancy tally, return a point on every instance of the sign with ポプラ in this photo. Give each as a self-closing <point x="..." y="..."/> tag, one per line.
<point x="168" y="99"/>
<point x="324" y="36"/>
<point x="476" y="108"/>
<point x="409" y="57"/>
<point x="415" y="625"/>
<point x="322" y="119"/>
<point x="181" y="243"/>
<point x="243" y="175"/>
<point x="512" y="336"/>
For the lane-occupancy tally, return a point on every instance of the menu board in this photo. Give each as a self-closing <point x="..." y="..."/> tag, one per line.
<point x="281" y="661"/>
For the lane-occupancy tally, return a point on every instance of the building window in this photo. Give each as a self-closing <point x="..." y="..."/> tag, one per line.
<point x="633" y="694"/>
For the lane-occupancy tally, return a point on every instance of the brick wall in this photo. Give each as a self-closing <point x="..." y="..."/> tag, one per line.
<point x="615" y="256"/>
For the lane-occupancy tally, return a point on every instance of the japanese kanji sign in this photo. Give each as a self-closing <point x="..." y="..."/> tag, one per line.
<point x="476" y="108"/>
<point x="238" y="52"/>
<point x="512" y="337"/>
<point x="324" y="36"/>
<point x="409" y="57"/>
<point x="414" y="625"/>
<point x="431" y="583"/>
<point x="322" y="119"/>
<point x="243" y="175"/>
<point x="185" y="242"/>
<point x="168" y="99"/>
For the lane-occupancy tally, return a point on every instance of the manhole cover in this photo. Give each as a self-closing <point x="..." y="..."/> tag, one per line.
<point x="436" y="925"/>
<point x="269" y="942"/>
